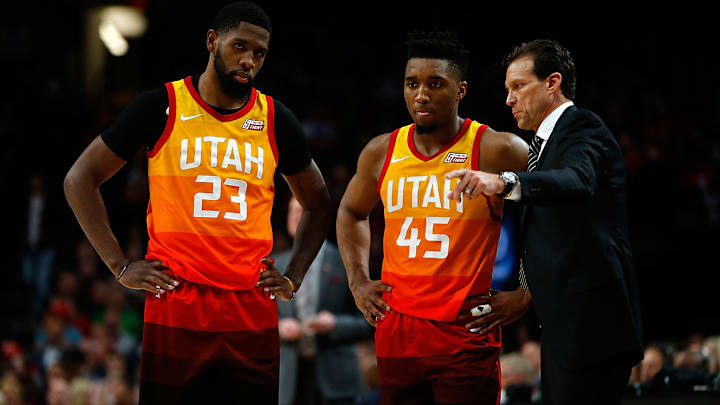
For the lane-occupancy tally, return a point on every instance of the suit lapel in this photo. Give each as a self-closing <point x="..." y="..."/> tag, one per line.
<point x="546" y="151"/>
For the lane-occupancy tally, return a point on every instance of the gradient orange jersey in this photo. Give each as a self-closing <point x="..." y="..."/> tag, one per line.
<point x="436" y="251"/>
<point x="211" y="189"/>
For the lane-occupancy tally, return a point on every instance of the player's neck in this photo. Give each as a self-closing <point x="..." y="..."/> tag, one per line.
<point x="428" y="143"/>
<point x="210" y="91"/>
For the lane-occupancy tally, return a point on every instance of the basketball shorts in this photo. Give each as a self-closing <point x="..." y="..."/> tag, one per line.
<point x="204" y="345"/>
<point x="422" y="361"/>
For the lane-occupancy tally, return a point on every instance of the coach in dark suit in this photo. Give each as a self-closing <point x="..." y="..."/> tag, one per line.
<point x="574" y="248"/>
<point x="318" y="332"/>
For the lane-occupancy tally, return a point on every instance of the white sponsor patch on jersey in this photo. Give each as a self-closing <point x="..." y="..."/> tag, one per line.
<point x="253" y="125"/>
<point x="454" y="157"/>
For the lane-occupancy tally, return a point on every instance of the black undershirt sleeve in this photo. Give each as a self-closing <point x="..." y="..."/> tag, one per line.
<point x="140" y="125"/>
<point x="143" y="121"/>
<point x="293" y="152"/>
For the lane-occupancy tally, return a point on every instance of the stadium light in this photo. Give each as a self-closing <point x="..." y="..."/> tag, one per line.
<point x="112" y="38"/>
<point x="118" y="23"/>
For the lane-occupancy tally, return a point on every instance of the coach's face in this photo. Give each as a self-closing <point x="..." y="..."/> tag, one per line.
<point x="432" y="91"/>
<point x="528" y="96"/>
<point x="238" y="54"/>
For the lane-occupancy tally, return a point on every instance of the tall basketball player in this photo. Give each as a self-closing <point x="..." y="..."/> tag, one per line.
<point x="213" y="144"/>
<point x="439" y="245"/>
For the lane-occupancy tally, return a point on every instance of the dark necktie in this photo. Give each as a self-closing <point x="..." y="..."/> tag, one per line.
<point x="534" y="153"/>
<point x="533" y="156"/>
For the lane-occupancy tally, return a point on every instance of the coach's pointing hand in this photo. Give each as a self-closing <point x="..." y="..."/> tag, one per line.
<point x="474" y="183"/>
<point x="367" y="298"/>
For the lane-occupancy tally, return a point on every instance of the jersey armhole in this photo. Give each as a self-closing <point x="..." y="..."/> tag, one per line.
<point x="475" y="162"/>
<point x="169" y="124"/>
<point x="271" y="127"/>
<point x="391" y="147"/>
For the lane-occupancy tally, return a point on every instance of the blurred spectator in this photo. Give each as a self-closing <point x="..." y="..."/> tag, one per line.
<point x="116" y="300"/>
<point x="39" y="255"/>
<point x="651" y="364"/>
<point x="58" y="392"/>
<point x="666" y="370"/>
<point x="55" y="335"/>
<point x="11" y="392"/>
<point x="517" y="378"/>
<point x="67" y="288"/>
<point x="318" y="331"/>
<point x="19" y="379"/>
<point x="89" y="274"/>
<point x="521" y="374"/>
<point x="531" y="352"/>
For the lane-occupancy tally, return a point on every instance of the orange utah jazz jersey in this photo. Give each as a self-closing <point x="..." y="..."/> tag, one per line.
<point x="211" y="189"/>
<point x="436" y="251"/>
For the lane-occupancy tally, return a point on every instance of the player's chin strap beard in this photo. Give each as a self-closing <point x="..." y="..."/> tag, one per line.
<point x="425" y="129"/>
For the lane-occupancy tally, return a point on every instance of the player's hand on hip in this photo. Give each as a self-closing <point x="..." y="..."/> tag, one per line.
<point x="273" y="282"/>
<point x="473" y="183"/>
<point x="490" y="311"/>
<point x="148" y="276"/>
<point x="367" y="295"/>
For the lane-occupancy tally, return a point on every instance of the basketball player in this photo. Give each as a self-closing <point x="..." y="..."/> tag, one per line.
<point x="439" y="248"/>
<point x="213" y="144"/>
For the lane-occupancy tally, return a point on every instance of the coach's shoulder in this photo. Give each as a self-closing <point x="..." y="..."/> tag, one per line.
<point x="582" y="118"/>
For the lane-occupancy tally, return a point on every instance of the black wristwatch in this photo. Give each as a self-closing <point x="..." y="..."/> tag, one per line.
<point x="511" y="180"/>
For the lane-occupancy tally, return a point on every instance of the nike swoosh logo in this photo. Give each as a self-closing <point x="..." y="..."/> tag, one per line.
<point x="395" y="160"/>
<point x="184" y="118"/>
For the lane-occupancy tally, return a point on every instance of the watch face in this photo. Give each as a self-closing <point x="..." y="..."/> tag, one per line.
<point x="509" y="178"/>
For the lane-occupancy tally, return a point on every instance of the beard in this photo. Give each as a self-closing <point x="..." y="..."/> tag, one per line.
<point x="228" y="85"/>
<point x="425" y="129"/>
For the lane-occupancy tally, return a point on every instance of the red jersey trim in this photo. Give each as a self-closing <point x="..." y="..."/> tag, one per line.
<point x="271" y="127"/>
<point x="169" y="125"/>
<point x="391" y="147"/>
<point x="413" y="149"/>
<point x="220" y="117"/>
<point x="476" y="147"/>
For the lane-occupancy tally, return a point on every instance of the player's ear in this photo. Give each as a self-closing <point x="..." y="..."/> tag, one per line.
<point x="462" y="90"/>
<point x="211" y="40"/>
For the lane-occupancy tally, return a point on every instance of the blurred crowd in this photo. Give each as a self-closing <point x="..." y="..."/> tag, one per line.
<point x="70" y="334"/>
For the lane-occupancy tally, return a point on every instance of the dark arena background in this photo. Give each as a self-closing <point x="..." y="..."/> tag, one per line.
<point x="650" y="73"/>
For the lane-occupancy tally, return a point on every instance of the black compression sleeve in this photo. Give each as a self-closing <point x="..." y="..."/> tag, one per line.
<point x="293" y="152"/>
<point x="140" y="125"/>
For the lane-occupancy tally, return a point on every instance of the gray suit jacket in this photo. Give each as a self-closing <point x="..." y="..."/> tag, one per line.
<point x="337" y="370"/>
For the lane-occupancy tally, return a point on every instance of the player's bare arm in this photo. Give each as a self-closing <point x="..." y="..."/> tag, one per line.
<point x="353" y="229"/>
<point x="310" y="191"/>
<point x="499" y="151"/>
<point x="82" y="190"/>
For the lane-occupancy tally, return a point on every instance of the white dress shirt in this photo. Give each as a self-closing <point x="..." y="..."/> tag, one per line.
<point x="544" y="131"/>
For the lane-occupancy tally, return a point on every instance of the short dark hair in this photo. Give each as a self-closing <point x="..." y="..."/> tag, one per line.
<point x="548" y="57"/>
<point x="230" y="16"/>
<point x="443" y="45"/>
